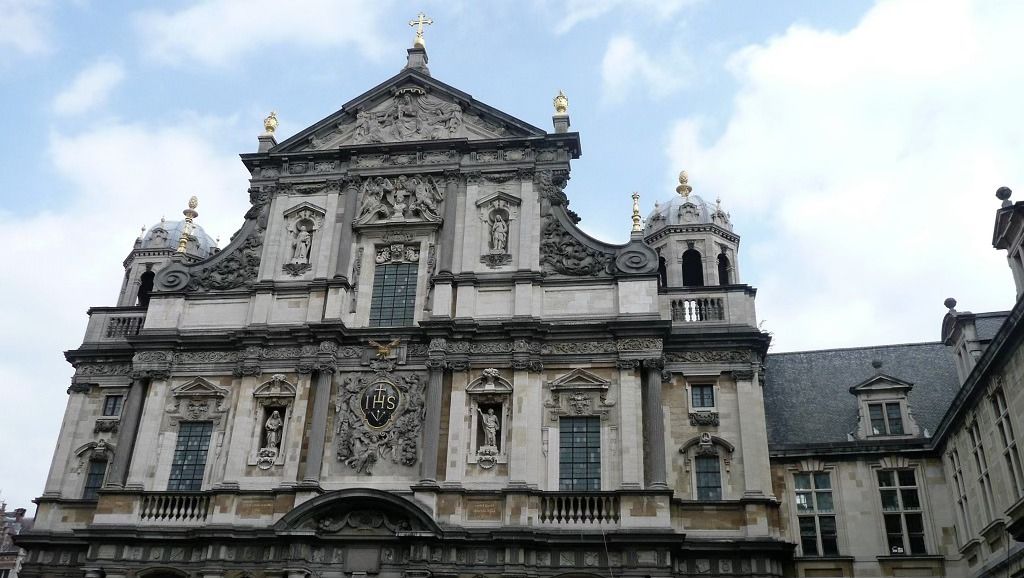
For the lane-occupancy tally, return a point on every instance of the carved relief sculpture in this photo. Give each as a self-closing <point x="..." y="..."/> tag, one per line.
<point x="413" y="115"/>
<point x="415" y="198"/>
<point x="379" y="417"/>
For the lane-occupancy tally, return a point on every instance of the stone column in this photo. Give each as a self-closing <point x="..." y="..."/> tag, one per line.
<point x="654" y="421"/>
<point x="128" y="430"/>
<point x="344" y="257"/>
<point x="325" y="367"/>
<point x="432" y="421"/>
<point x="446" y="248"/>
<point x="753" y="435"/>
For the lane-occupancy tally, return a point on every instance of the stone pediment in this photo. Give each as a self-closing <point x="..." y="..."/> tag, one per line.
<point x="579" y="379"/>
<point x="199" y="387"/>
<point x="409" y="107"/>
<point x="881" y="382"/>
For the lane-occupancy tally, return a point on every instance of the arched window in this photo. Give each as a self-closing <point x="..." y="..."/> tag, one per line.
<point x="723" y="270"/>
<point x="693" y="269"/>
<point x="145" y="288"/>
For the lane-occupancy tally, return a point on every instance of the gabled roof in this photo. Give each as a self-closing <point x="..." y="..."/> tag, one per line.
<point x="807" y="394"/>
<point x="486" y="121"/>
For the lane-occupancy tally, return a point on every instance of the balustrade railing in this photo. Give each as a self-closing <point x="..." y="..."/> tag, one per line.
<point x="566" y="508"/>
<point x="124" y="326"/>
<point x="698" y="309"/>
<point x="174" y="507"/>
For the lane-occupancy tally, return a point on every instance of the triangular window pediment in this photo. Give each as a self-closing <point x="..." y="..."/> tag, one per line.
<point x="579" y="379"/>
<point x="881" y="382"/>
<point x="199" y="387"/>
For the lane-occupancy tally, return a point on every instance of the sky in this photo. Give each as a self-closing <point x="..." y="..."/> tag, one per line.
<point x="856" y="144"/>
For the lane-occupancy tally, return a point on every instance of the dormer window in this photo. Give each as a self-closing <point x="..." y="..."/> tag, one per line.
<point x="886" y="419"/>
<point x="884" y="407"/>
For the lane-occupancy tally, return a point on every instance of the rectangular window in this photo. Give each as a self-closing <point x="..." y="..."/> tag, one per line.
<point x="960" y="489"/>
<point x="981" y="466"/>
<point x="394" y="295"/>
<point x="901" y="506"/>
<point x="1011" y="455"/>
<point x="112" y="405"/>
<point x="94" y="479"/>
<point x="189" y="462"/>
<point x="709" y="478"/>
<point x="886" y="418"/>
<point x="579" y="453"/>
<point x="815" y="513"/>
<point x="702" y="396"/>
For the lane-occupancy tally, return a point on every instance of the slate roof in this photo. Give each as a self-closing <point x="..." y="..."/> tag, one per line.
<point x="986" y="324"/>
<point x="807" y="394"/>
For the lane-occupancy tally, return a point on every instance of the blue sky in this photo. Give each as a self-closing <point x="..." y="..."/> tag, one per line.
<point x="856" y="144"/>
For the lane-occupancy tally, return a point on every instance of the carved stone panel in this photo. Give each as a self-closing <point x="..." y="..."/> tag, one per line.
<point x="379" y="416"/>
<point x="402" y="199"/>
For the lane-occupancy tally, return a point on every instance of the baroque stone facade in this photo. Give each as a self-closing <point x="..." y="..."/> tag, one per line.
<point x="410" y="361"/>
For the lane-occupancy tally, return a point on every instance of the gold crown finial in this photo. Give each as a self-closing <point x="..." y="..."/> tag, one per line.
<point x="186" y="231"/>
<point x="636" y="211"/>
<point x="418" y="23"/>
<point x="270" y="123"/>
<point x="684" y="187"/>
<point x="561" y="104"/>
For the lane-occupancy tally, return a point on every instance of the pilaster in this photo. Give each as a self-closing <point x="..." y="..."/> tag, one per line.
<point x="326" y="364"/>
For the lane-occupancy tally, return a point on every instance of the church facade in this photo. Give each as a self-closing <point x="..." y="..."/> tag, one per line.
<point x="410" y="362"/>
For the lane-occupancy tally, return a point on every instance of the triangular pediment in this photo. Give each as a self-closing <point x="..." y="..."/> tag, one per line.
<point x="881" y="382"/>
<point x="199" y="387"/>
<point x="579" y="379"/>
<point x="276" y="387"/>
<point x="409" y="107"/>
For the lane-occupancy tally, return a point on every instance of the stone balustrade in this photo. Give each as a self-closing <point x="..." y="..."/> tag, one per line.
<point x="174" y="508"/>
<point x="111" y="324"/>
<point x="712" y="305"/>
<point x="579" y="509"/>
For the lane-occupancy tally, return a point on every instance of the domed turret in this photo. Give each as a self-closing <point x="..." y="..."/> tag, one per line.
<point x="694" y="239"/>
<point x="156" y="247"/>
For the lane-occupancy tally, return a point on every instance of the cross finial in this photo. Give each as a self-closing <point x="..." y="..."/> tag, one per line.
<point x="419" y="22"/>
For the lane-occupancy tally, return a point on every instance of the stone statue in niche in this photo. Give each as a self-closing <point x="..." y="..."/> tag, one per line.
<point x="301" y="245"/>
<point x="490" y="423"/>
<point x="273" y="429"/>
<point x="499" y="234"/>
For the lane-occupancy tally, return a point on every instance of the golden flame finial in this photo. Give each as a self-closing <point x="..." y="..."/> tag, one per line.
<point x="418" y="23"/>
<point x="561" y="104"/>
<point x="270" y="123"/>
<point x="636" y="211"/>
<point x="186" y="231"/>
<point x="684" y="187"/>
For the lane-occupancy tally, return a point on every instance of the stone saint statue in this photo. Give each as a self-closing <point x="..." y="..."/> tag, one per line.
<point x="300" y="247"/>
<point x="499" y="235"/>
<point x="273" y="428"/>
<point x="489" y="421"/>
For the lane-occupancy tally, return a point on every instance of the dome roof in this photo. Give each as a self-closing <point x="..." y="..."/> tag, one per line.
<point x="688" y="210"/>
<point x="167" y="235"/>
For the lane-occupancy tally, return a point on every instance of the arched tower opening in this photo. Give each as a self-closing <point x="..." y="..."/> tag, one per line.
<point x="693" y="268"/>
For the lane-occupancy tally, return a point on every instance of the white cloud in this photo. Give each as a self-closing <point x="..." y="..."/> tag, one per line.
<point x="119" y="177"/>
<point x="89" y="89"/>
<point x="24" y="26"/>
<point x="626" y="67"/>
<point x="219" y="32"/>
<point x="578" y="11"/>
<point x="868" y="161"/>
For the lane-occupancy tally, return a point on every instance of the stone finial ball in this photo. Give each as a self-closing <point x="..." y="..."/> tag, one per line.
<point x="1003" y="193"/>
<point x="876" y="363"/>
<point x="950" y="303"/>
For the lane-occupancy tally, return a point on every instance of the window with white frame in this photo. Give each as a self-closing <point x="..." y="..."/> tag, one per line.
<point x="901" y="512"/>
<point x="960" y="488"/>
<point x="702" y="396"/>
<point x="816" y="513"/>
<point x="1011" y="454"/>
<point x="981" y="467"/>
<point x="886" y="418"/>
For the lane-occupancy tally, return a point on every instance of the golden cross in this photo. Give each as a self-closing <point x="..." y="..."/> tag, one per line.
<point x="420" y="20"/>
